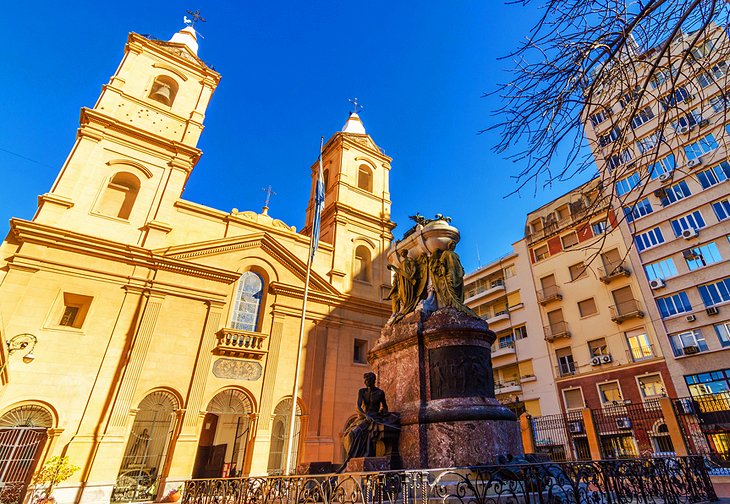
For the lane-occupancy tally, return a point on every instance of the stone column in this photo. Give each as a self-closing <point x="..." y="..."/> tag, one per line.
<point x="594" y="442"/>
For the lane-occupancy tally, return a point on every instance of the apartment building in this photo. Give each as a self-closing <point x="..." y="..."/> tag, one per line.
<point x="601" y="344"/>
<point x="503" y="293"/>
<point x="670" y="189"/>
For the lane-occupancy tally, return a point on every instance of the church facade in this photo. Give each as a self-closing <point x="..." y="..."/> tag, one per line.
<point x="152" y="339"/>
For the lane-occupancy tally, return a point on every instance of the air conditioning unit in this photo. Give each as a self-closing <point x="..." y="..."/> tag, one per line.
<point x="605" y="359"/>
<point x="665" y="177"/>
<point x="689" y="233"/>
<point x="623" y="423"/>
<point x="690" y="318"/>
<point x="596" y="361"/>
<point x="694" y="162"/>
<point x="575" y="427"/>
<point x="692" y="349"/>
<point x="712" y="310"/>
<point x="683" y="129"/>
<point x="657" y="283"/>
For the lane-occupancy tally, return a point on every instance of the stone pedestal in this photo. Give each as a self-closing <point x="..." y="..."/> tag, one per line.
<point x="436" y="371"/>
<point x="368" y="464"/>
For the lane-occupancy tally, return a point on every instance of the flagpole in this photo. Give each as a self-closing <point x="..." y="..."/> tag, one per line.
<point x="310" y="259"/>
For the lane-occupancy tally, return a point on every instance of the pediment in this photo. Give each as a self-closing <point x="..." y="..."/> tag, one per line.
<point x="263" y="241"/>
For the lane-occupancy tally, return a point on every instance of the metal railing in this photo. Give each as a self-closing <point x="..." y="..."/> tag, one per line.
<point x="612" y="271"/>
<point x="643" y="481"/>
<point x="626" y="310"/>
<point x="549" y="294"/>
<point x="556" y="330"/>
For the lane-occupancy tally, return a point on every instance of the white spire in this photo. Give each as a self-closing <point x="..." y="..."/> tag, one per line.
<point x="353" y="124"/>
<point x="187" y="37"/>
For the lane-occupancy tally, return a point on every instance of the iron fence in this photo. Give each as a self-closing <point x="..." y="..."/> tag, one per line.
<point x="632" y="430"/>
<point x="19" y="451"/>
<point x="561" y="437"/>
<point x="705" y="424"/>
<point x="645" y="481"/>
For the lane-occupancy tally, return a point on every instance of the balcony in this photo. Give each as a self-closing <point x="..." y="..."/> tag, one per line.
<point x="495" y="286"/>
<point x="549" y="295"/>
<point x="507" y="387"/>
<point x="611" y="273"/>
<point x="506" y="348"/>
<point x="498" y="316"/>
<point x="626" y="310"/>
<point x="241" y="344"/>
<point x="556" y="331"/>
<point x="641" y="352"/>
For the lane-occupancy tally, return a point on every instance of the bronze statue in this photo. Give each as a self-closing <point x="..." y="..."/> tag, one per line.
<point x="373" y="423"/>
<point x="408" y="285"/>
<point x="447" y="276"/>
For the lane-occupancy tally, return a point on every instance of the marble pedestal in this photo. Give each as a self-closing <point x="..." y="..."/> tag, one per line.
<point x="436" y="371"/>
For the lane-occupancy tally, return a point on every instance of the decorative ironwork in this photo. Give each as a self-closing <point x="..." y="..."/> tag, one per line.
<point x="648" y="481"/>
<point x="20" y="448"/>
<point x="561" y="437"/>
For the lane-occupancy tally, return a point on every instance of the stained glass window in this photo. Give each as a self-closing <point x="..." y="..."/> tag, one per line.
<point x="248" y="302"/>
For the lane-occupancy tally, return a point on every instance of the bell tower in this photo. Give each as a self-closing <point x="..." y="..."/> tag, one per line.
<point x="356" y="214"/>
<point x="137" y="146"/>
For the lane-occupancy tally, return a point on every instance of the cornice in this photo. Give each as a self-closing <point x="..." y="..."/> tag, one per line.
<point x="202" y="71"/>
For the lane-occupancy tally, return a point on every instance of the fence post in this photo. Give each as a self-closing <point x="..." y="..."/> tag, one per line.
<point x="592" y="434"/>
<point x="672" y="423"/>
<point x="528" y="437"/>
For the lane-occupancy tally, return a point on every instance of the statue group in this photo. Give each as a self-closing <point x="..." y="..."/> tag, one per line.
<point x="411" y="281"/>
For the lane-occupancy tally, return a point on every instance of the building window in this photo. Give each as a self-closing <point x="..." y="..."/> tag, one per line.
<point x="697" y="257"/>
<point x="661" y="76"/>
<point x="690" y="221"/>
<point x="640" y="209"/>
<point x="664" y="165"/>
<point x="687" y="343"/>
<point x="702" y="146"/>
<point x="569" y="240"/>
<point x="578" y="271"/>
<point x="639" y="345"/>
<point x="566" y="365"/>
<point x="679" y="95"/>
<point x="651" y="386"/>
<point x="599" y="117"/>
<point x="673" y="193"/>
<point x="587" y="307"/>
<point x="598" y="347"/>
<point x="715" y="293"/>
<point x="362" y="264"/>
<point x="247" y="307"/>
<point x="723" y="333"/>
<point x="721" y="209"/>
<point x="712" y="382"/>
<point x="719" y="103"/>
<point x="626" y="184"/>
<point x="520" y="332"/>
<point x="649" y="142"/>
<point x="164" y="90"/>
<point x="359" y="354"/>
<point x="573" y="399"/>
<point x="648" y="239"/>
<point x="660" y="269"/>
<point x="674" y="304"/>
<point x="600" y="227"/>
<point x="609" y="137"/>
<point x="365" y="178"/>
<point x="619" y="159"/>
<point x="119" y="196"/>
<point x="628" y="98"/>
<point x="702" y="50"/>
<point x="642" y="117"/>
<point x="687" y="121"/>
<point x="715" y="175"/>
<point x="610" y="393"/>
<point x="506" y="340"/>
<point x="541" y="253"/>
<point x="75" y="309"/>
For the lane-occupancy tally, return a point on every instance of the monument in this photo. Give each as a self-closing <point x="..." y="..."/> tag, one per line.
<point x="433" y="358"/>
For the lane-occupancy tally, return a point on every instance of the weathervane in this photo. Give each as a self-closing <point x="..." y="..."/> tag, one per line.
<point x="195" y="18"/>
<point x="269" y="192"/>
<point x="356" y="107"/>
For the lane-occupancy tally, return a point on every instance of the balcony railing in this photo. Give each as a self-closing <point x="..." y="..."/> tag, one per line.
<point x="507" y="387"/>
<point x="612" y="272"/>
<point x="495" y="286"/>
<point x="549" y="294"/>
<point x="626" y="310"/>
<point x="556" y="330"/>
<point x="641" y="353"/>
<point x="242" y="344"/>
<point x="506" y="348"/>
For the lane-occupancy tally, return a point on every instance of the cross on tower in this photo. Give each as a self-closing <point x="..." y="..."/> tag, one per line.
<point x="269" y="192"/>
<point x="195" y="18"/>
<point x="356" y="107"/>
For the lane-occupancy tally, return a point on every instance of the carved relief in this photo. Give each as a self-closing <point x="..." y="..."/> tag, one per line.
<point x="237" y="369"/>
<point x="459" y="371"/>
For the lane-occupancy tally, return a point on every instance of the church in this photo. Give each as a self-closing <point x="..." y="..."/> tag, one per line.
<point x="151" y="339"/>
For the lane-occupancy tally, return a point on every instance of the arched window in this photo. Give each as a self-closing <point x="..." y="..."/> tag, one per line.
<point x="119" y="196"/>
<point x="29" y="415"/>
<point x="365" y="178"/>
<point x="280" y="437"/>
<point x="247" y="306"/>
<point x="326" y="177"/>
<point x="164" y="89"/>
<point x="361" y="266"/>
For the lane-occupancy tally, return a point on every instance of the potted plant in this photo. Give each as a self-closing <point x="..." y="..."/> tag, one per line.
<point x="173" y="495"/>
<point x="53" y="472"/>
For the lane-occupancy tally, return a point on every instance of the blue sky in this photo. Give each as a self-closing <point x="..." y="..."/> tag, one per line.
<point x="288" y="69"/>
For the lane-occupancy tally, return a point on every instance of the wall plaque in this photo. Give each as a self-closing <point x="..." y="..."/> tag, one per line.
<point x="459" y="371"/>
<point x="237" y="369"/>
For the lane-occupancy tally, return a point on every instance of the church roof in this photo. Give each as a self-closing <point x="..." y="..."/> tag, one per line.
<point x="354" y="124"/>
<point x="188" y="38"/>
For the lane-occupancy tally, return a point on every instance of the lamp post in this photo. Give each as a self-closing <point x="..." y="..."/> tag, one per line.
<point x="21" y="342"/>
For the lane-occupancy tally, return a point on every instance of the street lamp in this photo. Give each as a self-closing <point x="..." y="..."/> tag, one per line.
<point x="21" y="342"/>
